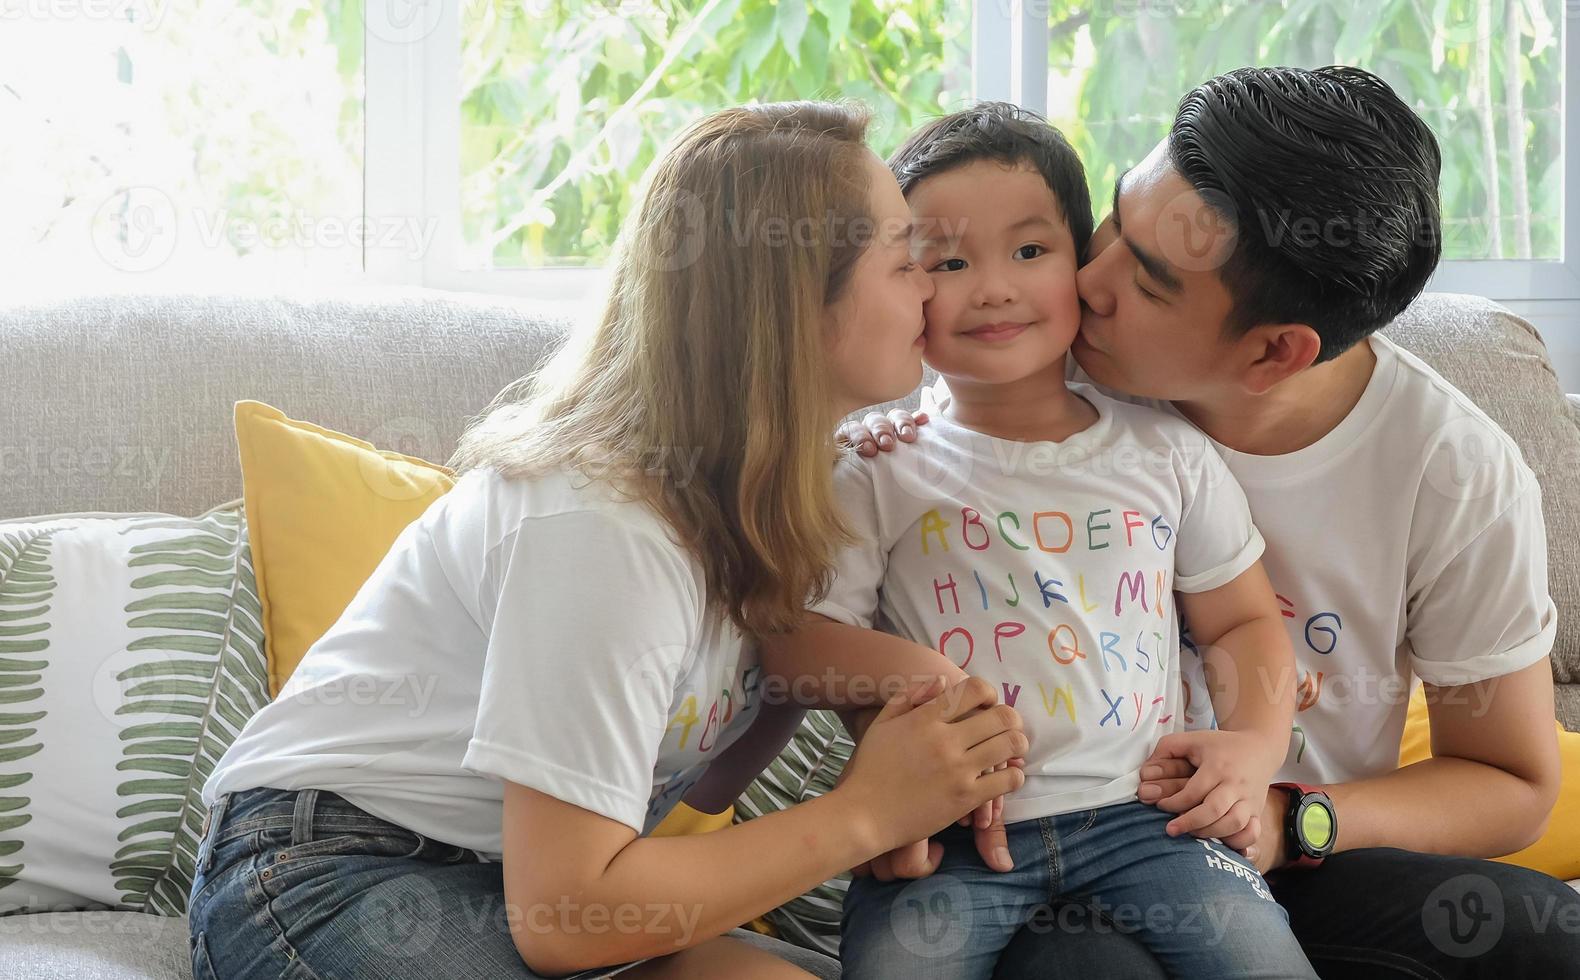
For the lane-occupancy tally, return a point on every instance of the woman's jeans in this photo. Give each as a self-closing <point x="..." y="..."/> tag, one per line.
<point x="1198" y="907"/>
<point x="302" y="884"/>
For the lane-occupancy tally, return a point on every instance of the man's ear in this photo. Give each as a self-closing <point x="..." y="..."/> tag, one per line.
<point x="1279" y="351"/>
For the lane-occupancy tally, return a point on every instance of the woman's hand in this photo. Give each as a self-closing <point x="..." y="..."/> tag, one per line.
<point x="878" y="432"/>
<point x="930" y="758"/>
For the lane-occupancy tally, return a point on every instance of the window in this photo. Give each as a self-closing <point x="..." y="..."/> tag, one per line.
<point x="1486" y="75"/>
<point x="565" y="104"/>
<point x="496" y="144"/>
<point x="144" y="136"/>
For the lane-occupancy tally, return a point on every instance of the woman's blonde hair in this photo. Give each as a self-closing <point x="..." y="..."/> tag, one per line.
<point x="710" y="356"/>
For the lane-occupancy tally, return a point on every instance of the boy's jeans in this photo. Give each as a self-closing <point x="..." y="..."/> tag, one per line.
<point x="1199" y="907"/>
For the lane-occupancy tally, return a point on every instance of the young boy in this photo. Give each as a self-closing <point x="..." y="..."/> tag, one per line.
<point x="1034" y="538"/>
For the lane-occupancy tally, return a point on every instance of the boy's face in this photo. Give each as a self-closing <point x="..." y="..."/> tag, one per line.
<point x="1002" y="263"/>
<point x="1154" y="308"/>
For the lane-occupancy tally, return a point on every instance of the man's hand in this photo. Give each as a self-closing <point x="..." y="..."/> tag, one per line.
<point x="1262" y="839"/>
<point x="878" y="432"/>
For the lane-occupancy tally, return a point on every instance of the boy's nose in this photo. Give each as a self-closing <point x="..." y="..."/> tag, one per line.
<point x="994" y="292"/>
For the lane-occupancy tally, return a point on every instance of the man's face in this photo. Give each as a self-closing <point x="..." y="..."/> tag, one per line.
<point x="1152" y="304"/>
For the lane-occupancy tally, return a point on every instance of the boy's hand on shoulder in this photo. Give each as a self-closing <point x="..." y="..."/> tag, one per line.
<point x="882" y="433"/>
<point x="1217" y="781"/>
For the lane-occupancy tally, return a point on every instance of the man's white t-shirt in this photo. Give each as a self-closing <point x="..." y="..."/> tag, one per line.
<point x="1048" y="569"/>
<point x="538" y="630"/>
<point x="1407" y="541"/>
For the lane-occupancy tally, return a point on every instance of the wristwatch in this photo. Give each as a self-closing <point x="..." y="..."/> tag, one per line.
<point x="1311" y="825"/>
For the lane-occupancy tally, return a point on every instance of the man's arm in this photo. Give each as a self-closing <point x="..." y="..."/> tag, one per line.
<point x="1493" y="743"/>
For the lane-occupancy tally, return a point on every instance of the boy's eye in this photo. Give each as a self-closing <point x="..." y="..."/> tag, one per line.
<point x="1149" y="294"/>
<point x="1029" y="251"/>
<point x="950" y="265"/>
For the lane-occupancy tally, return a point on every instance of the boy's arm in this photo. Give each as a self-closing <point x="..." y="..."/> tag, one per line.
<point x="1246" y="655"/>
<point x="1249" y="665"/>
<point x="824" y="663"/>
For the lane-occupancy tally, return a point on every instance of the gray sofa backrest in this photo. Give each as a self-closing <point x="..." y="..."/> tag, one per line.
<point x="124" y="403"/>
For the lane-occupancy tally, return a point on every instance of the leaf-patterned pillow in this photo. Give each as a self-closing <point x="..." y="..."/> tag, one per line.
<point x="808" y="766"/>
<point x="131" y="654"/>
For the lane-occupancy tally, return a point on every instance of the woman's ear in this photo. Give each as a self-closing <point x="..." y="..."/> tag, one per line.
<point x="1280" y="351"/>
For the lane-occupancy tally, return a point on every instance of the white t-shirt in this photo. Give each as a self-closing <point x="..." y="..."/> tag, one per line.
<point x="537" y="630"/>
<point x="1407" y="541"/>
<point x="1047" y="568"/>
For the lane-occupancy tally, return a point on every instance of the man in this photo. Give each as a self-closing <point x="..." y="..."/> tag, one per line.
<point x="1238" y="282"/>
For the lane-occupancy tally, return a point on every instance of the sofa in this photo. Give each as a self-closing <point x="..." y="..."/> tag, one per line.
<point x="123" y="403"/>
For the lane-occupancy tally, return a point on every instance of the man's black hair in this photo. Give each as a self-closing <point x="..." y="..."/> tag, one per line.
<point x="1331" y="183"/>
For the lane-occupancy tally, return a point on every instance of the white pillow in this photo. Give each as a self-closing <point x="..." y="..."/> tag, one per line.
<point x="131" y="654"/>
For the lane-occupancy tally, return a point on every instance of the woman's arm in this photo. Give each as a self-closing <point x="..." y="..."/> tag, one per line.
<point x="582" y="890"/>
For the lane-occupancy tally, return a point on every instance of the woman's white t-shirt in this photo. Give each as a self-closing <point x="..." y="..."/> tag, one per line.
<point x="539" y="630"/>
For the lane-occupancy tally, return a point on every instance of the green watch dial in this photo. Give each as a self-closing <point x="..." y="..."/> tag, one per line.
<point x="1316" y="826"/>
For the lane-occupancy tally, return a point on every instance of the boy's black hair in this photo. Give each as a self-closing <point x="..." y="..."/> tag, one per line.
<point x="1007" y="134"/>
<point x="1330" y="181"/>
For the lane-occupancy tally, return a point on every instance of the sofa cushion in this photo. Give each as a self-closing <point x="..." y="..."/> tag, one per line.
<point x="806" y="768"/>
<point x="95" y="945"/>
<point x="323" y="508"/>
<point x="131" y="654"/>
<point x="1557" y="853"/>
<point x="143" y="423"/>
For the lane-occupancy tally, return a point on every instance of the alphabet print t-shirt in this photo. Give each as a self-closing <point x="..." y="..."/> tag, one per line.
<point x="1048" y="569"/>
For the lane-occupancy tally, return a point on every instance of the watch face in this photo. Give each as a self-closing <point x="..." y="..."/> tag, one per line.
<point x="1316" y="826"/>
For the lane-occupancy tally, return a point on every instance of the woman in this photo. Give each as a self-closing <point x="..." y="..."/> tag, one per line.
<point x="576" y="615"/>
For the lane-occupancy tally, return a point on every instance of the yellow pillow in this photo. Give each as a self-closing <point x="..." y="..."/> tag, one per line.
<point x="1558" y="851"/>
<point x="323" y="509"/>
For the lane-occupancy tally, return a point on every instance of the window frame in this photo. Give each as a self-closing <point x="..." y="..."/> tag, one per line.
<point x="412" y="122"/>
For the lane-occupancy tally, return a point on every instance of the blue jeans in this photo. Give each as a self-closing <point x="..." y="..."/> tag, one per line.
<point x="302" y="884"/>
<point x="1196" y="905"/>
